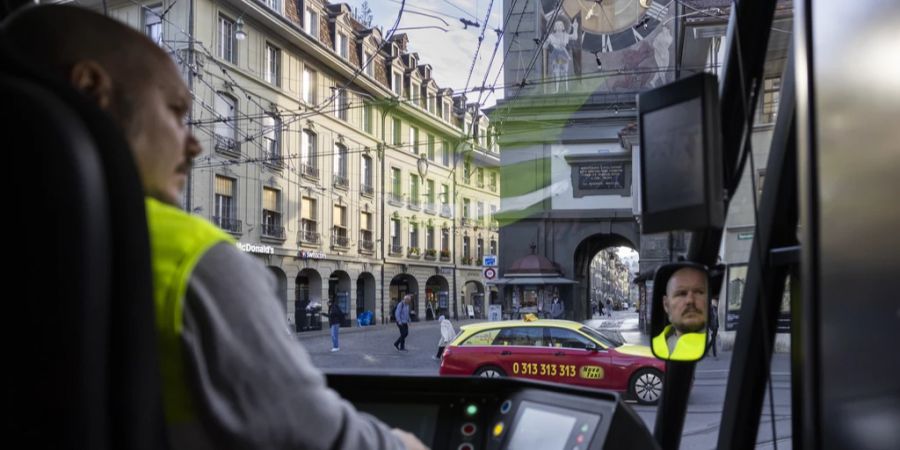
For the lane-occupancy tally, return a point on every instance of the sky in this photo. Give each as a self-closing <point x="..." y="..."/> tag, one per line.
<point x="449" y="52"/>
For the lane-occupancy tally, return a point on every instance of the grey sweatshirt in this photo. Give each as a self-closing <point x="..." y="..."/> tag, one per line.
<point x="255" y="385"/>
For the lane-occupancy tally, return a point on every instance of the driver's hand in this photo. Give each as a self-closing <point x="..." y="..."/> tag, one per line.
<point x="409" y="440"/>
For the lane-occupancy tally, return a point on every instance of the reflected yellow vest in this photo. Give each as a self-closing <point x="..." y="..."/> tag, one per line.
<point x="177" y="241"/>
<point x="689" y="347"/>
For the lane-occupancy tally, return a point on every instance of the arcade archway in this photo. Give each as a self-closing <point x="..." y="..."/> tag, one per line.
<point x="437" y="297"/>
<point x="401" y="285"/>
<point x="339" y="292"/>
<point x="473" y="300"/>
<point x="365" y="293"/>
<point x="308" y="300"/>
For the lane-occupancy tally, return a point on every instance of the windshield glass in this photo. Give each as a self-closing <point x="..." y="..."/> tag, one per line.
<point x="392" y="170"/>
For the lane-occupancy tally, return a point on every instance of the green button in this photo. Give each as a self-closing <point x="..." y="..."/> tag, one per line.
<point x="584" y="428"/>
<point x="471" y="410"/>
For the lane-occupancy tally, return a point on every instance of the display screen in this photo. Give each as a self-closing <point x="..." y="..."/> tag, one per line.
<point x="673" y="156"/>
<point x="418" y="419"/>
<point x="538" y="427"/>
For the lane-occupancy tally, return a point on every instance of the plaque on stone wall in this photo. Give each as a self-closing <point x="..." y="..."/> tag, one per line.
<point x="603" y="174"/>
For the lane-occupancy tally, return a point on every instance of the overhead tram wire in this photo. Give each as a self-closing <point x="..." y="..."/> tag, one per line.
<point x="478" y="47"/>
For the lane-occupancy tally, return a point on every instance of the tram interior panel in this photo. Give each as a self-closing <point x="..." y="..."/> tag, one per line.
<point x="457" y="413"/>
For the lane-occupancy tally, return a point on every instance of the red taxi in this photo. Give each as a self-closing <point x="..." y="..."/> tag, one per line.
<point x="555" y="350"/>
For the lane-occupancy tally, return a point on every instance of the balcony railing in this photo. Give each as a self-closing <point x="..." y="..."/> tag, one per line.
<point x="273" y="231"/>
<point x="273" y="159"/>
<point x="366" y="244"/>
<point x="396" y="249"/>
<point x="308" y="236"/>
<point x="395" y="199"/>
<point x="227" y="223"/>
<point x="446" y="211"/>
<point x="309" y="171"/>
<point x="341" y="182"/>
<point x="339" y="237"/>
<point x="465" y="222"/>
<point x="226" y="145"/>
<point x="367" y="190"/>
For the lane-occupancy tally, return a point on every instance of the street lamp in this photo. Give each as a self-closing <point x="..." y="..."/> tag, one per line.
<point x="239" y="33"/>
<point x="422" y="166"/>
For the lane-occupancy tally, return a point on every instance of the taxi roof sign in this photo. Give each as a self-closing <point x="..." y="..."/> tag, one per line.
<point x="530" y="317"/>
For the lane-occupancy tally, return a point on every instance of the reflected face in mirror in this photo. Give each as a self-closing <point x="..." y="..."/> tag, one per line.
<point x="685" y="301"/>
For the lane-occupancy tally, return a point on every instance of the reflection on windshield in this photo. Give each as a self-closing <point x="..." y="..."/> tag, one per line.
<point x="604" y="338"/>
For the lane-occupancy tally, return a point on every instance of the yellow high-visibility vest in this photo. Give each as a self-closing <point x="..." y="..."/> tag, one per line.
<point x="689" y="347"/>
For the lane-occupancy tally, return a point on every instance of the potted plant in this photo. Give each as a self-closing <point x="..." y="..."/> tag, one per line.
<point x="430" y="252"/>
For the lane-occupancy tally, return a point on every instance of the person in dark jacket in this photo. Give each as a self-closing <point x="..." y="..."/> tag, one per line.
<point x="714" y="326"/>
<point x="335" y="317"/>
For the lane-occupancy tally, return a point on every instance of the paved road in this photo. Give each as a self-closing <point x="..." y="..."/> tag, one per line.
<point x="370" y="350"/>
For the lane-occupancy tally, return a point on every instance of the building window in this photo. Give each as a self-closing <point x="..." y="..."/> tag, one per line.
<point x="445" y="153"/>
<point x="771" y="94"/>
<point x="414" y="93"/>
<point x="479" y="175"/>
<point x="271" y="220"/>
<point x="341" y="46"/>
<point x="465" y="250"/>
<point x="342" y="104"/>
<point x="309" y="86"/>
<point x="467" y="204"/>
<point x="367" y="186"/>
<point x="431" y="102"/>
<point x="227" y="41"/>
<point x="273" y="64"/>
<point x="339" y="234"/>
<point x="414" y="236"/>
<point x="366" y="240"/>
<point x="368" y="64"/>
<point x="309" y="165"/>
<point x="482" y="137"/>
<point x="414" y="140"/>
<point x="480" y="211"/>
<point x="396" y="239"/>
<point x="429" y="237"/>
<point x="429" y="194"/>
<point x="224" y="208"/>
<point x="396" y="184"/>
<point x="311" y="23"/>
<point x="493" y="247"/>
<point x="367" y="118"/>
<point x="226" y="128"/>
<point x="397" y="83"/>
<point x="397" y="136"/>
<point x="479" y="250"/>
<point x="275" y="5"/>
<point x="153" y="23"/>
<point x="445" y="241"/>
<point x="445" y="111"/>
<point x="467" y="173"/>
<point x="494" y="181"/>
<point x="413" y="191"/>
<point x="340" y="167"/>
<point x="445" y="195"/>
<point x="431" y="147"/>
<point x="272" y="140"/>
<point x="309" y="226"/>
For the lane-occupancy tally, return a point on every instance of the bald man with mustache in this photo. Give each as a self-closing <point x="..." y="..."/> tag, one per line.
<point x="685" y="303"/>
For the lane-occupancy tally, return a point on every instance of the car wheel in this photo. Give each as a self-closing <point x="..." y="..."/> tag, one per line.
<point x="646" y="386"/>
<point x="490" y="372"/>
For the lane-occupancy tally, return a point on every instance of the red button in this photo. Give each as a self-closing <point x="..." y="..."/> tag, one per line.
<point x="468" y="429"/>
<point x="465" y="446"/>
<point x="580" y="438"/>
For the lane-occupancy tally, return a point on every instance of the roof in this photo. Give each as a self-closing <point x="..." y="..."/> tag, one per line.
<point x="533" y="264"/>
<point x="475" y="327"/>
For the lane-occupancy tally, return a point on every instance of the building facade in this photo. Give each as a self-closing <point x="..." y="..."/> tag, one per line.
<point x="330" y="153"/>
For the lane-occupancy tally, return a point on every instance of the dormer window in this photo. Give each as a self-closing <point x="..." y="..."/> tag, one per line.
<point x="368" y="63"/>
<point x="446" y="112"/>
<point x="395" y="50"/>
<point x="431" y="102"/>
<point x="397" y="83"/>
<point x="414" y="92"/>
<point x="311" y="23"/>
<point x="341" y="45"/>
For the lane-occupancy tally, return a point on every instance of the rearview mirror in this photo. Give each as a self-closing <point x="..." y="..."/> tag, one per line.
<point x="680" y="311"/>
<point x="591" y="347"/>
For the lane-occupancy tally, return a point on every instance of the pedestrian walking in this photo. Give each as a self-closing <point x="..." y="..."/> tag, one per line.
<point x="335" y="317"/>
<point x="401" y="315"/>
<point x="714" y="327"/>
<point x="609" y="307"/>
<point x="447" y="334"/>
<point x="557" y="309"/>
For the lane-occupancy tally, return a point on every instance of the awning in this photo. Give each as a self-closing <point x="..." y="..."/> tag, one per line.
<point x="532" y="280"/>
